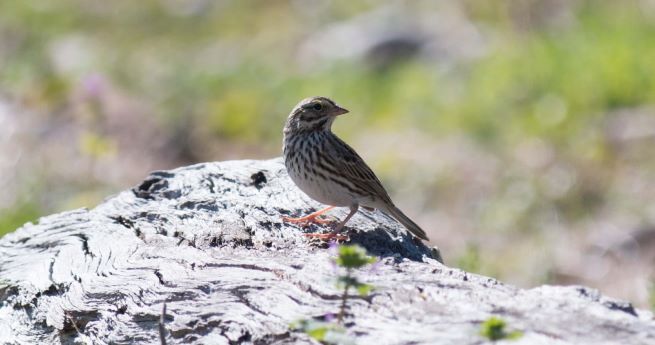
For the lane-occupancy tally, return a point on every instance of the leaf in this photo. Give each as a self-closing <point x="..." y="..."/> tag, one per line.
<point x="344" y="281"/>
<point x="494" y="329"/>
<point x="353" y="257"/>
<point x="324" y="332"/>
<point x="318" y="333"/>
<point x="364" y="289"/>
<point x="514" y="335"/>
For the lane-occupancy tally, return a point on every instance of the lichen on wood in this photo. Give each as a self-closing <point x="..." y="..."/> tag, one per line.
<point x="209" y="242"/>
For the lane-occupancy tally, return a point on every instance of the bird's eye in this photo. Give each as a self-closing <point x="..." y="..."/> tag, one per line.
<point x="317" y="106"/>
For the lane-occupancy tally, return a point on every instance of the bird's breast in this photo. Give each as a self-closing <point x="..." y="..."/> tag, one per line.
<point x="302" y="157"/>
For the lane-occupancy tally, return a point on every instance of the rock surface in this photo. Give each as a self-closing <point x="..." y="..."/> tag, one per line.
<point x="208" y="240"/>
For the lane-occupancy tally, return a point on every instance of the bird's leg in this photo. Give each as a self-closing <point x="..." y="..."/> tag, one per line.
<point x="353" y="210"/>
<point x="334" y="234"/>
<point x="312" y="218"/>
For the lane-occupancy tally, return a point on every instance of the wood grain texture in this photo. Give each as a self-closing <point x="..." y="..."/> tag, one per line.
<point x="209" y="241"/>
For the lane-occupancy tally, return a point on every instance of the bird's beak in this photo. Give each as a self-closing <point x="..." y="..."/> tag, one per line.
<point x="339" y="111"/>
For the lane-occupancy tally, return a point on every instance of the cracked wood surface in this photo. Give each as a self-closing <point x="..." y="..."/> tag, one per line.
<point x="209" y="241"/>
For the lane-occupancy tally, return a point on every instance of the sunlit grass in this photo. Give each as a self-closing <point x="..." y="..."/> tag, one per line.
<point x="547" y="83"/>
<point x="10" y="219"/>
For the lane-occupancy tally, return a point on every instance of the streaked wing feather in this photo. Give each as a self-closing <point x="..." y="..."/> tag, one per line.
<point x="349" y="163"/>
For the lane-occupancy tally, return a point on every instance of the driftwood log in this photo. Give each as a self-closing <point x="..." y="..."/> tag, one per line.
<point x="208" y="240"/>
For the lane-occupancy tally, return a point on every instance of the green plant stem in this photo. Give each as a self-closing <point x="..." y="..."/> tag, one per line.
<point x="344" y="299"/>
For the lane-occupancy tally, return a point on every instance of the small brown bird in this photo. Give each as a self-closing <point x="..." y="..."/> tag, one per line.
<point x="328" y="170"/>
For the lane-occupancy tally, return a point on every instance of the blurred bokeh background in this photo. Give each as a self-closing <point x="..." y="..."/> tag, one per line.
<point x="519" y="133"/>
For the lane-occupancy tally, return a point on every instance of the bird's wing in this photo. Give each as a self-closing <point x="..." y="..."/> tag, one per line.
<point x="348" y="163"/>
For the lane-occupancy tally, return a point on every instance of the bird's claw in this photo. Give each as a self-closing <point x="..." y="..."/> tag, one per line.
<point x="306" y="221"/>
<point x="327" y="237"/>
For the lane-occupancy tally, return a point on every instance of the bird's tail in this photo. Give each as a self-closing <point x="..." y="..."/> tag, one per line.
<point x="408" y="223"/>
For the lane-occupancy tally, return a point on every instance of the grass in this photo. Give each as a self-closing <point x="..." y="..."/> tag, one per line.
<point x="14" y="217"/>
<point x="573" y="74"/>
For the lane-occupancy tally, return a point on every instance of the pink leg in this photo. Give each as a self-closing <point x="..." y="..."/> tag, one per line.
<point x="334" y="234"/>
<point x="312" y="218"/>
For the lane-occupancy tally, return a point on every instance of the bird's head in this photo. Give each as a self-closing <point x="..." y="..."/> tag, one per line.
<point x="313" y="114"/>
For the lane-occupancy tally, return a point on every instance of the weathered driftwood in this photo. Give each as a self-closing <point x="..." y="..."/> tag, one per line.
<point x="208" y="240"/>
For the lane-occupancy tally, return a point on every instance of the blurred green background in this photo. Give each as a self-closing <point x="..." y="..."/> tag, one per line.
<point x="518" y="133"/>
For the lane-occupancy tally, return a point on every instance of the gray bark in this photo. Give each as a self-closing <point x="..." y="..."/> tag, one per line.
<point x="208" y="240"/>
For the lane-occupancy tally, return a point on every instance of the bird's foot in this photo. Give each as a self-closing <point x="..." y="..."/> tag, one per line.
<point x="307" y="220"/>
<point x="327" y="237"/>
<point x="313" y="218"/>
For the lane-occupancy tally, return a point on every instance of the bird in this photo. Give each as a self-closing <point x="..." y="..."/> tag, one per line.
<point x="330" y="171"/>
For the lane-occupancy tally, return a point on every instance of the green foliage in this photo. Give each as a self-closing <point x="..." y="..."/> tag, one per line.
<point x="364" y="289"/>
<point x="96" y="145"/>
<point x="350" y="257"/>
<point x="11" y="219"/>
<point x="347" y="281"/>
<point x="324" y="332"/>
<point x="494" y="329"/>
<point x="353" y="257"/>
<point x="470" y="260"/>
<point x="504" y="94"/>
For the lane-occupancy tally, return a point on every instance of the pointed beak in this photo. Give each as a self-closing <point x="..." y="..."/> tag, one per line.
<point x="339" y="111"/>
